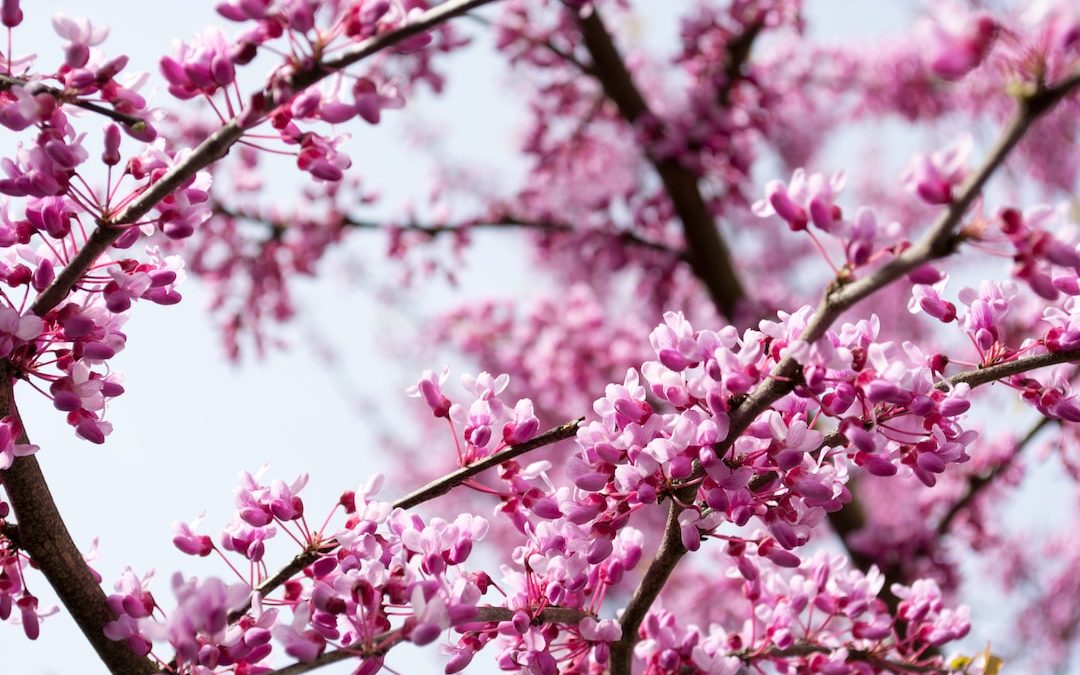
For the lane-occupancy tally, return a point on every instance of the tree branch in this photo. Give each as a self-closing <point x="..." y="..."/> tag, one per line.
<point x="428" y="492"/>
<point x="508" y="222"/>
<point x="44" y="536"/>
<point x="709" y="254"/>
<point x="853" y="654"/>
<point x="669" y="554"/>
<point x="937" y="242"/>
<point x="563" y="615"/>
<point x="450" y="481"/>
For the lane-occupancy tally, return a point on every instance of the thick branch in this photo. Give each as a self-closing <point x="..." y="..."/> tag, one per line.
<point x="709" y="254"/>
<point x="44" y="536"/>
<point x="669" y="554"/>
<point x="426" y="493"/>
<point x="938" y="242"/>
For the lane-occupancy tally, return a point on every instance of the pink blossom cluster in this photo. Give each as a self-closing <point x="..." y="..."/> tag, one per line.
<point x="751" y="436"/>
<point x="820" y="618"/>
<point x="385" y="577"/>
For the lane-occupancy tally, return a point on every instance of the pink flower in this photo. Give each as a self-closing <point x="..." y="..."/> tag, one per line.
<point x="804" y="199"/>
<point x="929" y="300"/>
<point x="9" y="449"/>
<point x="81" y="36"/>
<point x="960" y="41"/>
<point x="429" y="387"/>
<point x="933" y="177"/>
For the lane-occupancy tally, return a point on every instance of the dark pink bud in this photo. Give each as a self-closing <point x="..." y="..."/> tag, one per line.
<point x="934" y="191"/>
<point x="680" y="467"/>
<point x="1061" y="254"/>
<point x="1068" y="284"/>
<point x="67" y="401"/>
<point x="921" y="405"/>
<point x="89" y="429"/>
<point x="882" y="391"/>
<point x="599" y="551"/>
<point x="1042" y="285"/>
<point x="43" y="275"/>
<point x="521" y="622"/>
<point x="10" y="13"/>
<point x="938" y="363"/>
<point x="111" y="155"/>
<point x="690" y="536"/>
<point x="28" y="611"/>
<point x="926" y="274"/>
<point x="546" y="508"/>
<point x="98" y="351"/>
<point x="878" y="465"/>
<point x="458" y="662"/>
<point x="127" y="238"/>
<point x="673" y="359"/>
<point x="951" y="407"/>
<point x="821" y="212"/>
<point x="337" y="112"/>
<point x="1012" y="222"/>
<point x="178" y="230"/>
<point x="221" y="69"/>
<point x="646" y="493"/>
<point x="813" y="490"/>
<point x="591" y="482"/>
<point x="323" y="169"/>
<point x="163" y="296"/>
<point x="787" y="209"/>
<point x="928" y="461"/>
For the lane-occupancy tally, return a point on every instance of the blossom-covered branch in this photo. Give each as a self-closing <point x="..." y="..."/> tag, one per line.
<point x="434" y="489"/>
<point x="937" y="242"/>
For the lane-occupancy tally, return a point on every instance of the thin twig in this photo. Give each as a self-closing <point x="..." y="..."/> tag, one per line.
<point x="509" y="222"/>
<point x="560" y="615"/>
<point x="9" y="82"/>
<point x="978" y="483"/>
<point x="450" y="481"/>
<point x="426" y="493"/>
<point x="853" y="655"/>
